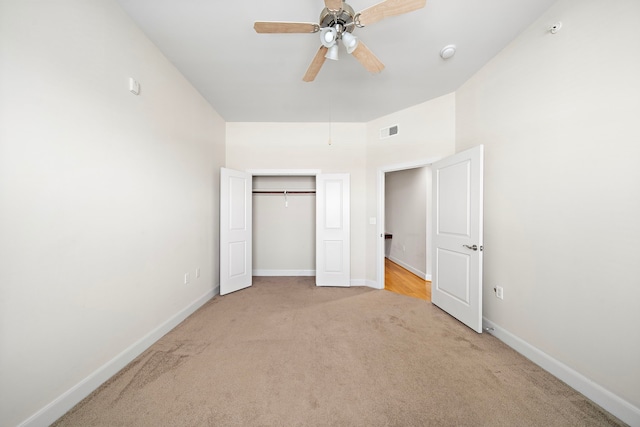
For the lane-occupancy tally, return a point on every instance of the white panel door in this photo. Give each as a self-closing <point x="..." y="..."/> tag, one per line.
<point x="457" y="219"/>
<point x="235" y="230"/>
<point x="333" y="248"/>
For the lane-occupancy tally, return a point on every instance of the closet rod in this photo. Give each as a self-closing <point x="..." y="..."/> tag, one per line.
<point x="285" y="191"/>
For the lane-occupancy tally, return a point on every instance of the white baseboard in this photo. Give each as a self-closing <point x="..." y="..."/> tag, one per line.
<point x="406" y="266"/>
<point x="283" y="272"/>
<point x="54" y="410"/>
<point x="614" y="404"/>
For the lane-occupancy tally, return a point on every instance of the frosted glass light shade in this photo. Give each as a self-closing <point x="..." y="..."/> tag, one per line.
<point x="328" y="36"/>
<point x="350" y="41"/>
<point x="332" y="53"/>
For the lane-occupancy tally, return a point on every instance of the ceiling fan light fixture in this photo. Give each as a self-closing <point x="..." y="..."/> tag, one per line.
<point x="332" y="53"/>
<point x="350" y="41"/>
<point x="337" y="21"/>
<point x="328" y="36"/>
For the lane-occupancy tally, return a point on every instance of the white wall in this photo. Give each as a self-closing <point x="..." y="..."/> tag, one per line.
<point x="558" y="115"/>
<point x="426" y="133"/>
<point x="106" y="198"/>
<point x="406" y="218"/>
<point x="284" y="227"/>
<point x="306" y="146"/>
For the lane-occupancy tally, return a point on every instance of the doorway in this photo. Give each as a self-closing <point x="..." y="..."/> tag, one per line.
<point x="456" y="260"/>
<point x="405" y="227"/>
<point x="382" y="246"/>
<point x="284" y="221"/>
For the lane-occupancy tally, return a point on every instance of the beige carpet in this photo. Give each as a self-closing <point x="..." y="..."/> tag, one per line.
<point x="285" y="353"/>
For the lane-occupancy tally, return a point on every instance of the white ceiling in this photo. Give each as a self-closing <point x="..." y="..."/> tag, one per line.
<point x="250" y="77"/>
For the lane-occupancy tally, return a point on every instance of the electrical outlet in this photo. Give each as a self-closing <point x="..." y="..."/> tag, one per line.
<point x="186" y="278"/>
<point x="198" y="273"/>
<point x="499" y="292"/>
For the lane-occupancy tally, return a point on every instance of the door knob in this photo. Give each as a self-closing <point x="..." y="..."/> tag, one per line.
<point x="473" y="248"/>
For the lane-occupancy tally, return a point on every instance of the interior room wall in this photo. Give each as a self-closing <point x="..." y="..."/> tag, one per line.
<point x="426" y="133"/>
<point x="251" y="146"/>
<point x="284" y="227"/>
<point x="107" y="199"/>
<point x="406" y="218"/>
<point x="558" y="115"/>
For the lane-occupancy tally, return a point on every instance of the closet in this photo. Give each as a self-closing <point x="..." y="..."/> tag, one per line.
<point x="284" y="225"/>
<point x="285" y="241"/>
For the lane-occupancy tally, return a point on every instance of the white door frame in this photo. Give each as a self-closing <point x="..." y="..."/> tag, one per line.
<point x="284" y="172"/>
<point x="301" y="172"/>
<point x="381" y="207"/>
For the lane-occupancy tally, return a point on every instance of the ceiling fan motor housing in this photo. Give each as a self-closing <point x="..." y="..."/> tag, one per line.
<point x="343" y="20"/>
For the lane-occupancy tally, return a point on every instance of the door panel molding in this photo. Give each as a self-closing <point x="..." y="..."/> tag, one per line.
<point x="235" y="230"/>
<point x="457" y="220"/>
<point x="333" y="257"/>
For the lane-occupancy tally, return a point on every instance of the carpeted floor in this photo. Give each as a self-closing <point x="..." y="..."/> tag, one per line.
<point x="285" y="353"/>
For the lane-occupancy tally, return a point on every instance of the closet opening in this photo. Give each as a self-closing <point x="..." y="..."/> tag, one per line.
<point x="284" y="225"/>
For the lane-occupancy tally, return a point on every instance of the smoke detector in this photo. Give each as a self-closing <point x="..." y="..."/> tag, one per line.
<point x="448" y="51"/>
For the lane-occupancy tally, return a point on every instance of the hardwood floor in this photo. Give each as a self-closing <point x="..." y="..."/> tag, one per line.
<point x="404" y="282"/>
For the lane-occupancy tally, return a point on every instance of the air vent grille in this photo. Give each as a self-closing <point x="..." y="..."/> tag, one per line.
<point x="389" y="131"/>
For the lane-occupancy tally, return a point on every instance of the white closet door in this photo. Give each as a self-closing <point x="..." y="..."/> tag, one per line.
<point x="235" y="230"/>
<point x="333" y="248"/>
<point x="457" y="266"/>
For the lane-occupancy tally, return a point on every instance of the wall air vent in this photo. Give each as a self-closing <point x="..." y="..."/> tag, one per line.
<point x="389" y="132"/>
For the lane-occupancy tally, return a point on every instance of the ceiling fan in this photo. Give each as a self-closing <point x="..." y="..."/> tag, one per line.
<point x="337" y="22"/>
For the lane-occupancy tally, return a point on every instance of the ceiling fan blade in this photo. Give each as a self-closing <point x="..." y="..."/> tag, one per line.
<point x="389" y="8"/>
<point x="316" y="64"/>
<point x="333" y="4"/>
<point x="285" y="27"/>
<point x="367" y="58"/>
